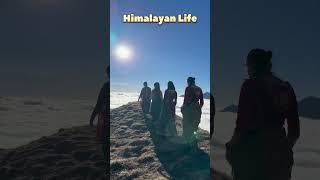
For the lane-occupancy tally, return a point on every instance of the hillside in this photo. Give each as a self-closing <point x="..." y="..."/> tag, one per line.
<point x="136" y="153"/>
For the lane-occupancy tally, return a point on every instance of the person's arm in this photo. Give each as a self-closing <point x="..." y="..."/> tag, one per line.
<point x="175" y="98"/>
<point x="245" y="113"/>
<point x="152" y="94"/>
<point x="98" y="105"/>
<point x="149" y="93"/>
<point x="140" y="95"/>
<point x="186" y="97"/>
<point x="293" y="118"/>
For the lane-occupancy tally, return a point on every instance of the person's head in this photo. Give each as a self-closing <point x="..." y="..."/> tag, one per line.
<point x="156" y="85"/>
<point x="145" y="84"/>
<point x="191" y="81"/>
<point x="259" y="63"/>
<point x="171" y="86"/>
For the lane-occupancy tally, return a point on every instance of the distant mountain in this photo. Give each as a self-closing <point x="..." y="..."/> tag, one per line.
<point x="206" y="95"/>
<point x="231" y="108"/>
<point x="309" y="107"/>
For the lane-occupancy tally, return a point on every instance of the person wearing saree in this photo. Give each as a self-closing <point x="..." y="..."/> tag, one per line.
<point x="168" y="113"/>
<point x="156" y="102"/>
<point x="260" y="148"/>
<point x="102" y="110"/>
<point x="145" y="98"/>
<point x="191" y="111"/>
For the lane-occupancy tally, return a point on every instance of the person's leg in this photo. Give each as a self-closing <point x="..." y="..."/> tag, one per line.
<point x="279" y="161"/>
<point x="194" y="124"/>
<point x="148" y="106"/>
<point x="186" y="128"/>
<point x="173" y="129"/>
<point x="189" y="134"/>
<point x="281" y="171"/>
<point x="143" y="105"/>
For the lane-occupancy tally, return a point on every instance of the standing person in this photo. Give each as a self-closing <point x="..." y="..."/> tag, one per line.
<point x="102" y="110"/>
<point x="212" y="114"/>
<point x="191" y="111"/>
<point x="168" y="113"/>
<point x="260" y="148"/>
<point x="145" y="97"/>
<point x="156" y="97"/>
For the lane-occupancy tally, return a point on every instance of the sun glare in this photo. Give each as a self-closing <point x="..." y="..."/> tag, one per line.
<point x="123" y="52"/>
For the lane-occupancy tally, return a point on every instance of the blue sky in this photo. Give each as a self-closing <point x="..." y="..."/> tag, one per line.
<point x="161" y="52"/>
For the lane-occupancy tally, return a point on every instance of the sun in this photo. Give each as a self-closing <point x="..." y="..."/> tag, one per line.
<point x="123" y="52"/>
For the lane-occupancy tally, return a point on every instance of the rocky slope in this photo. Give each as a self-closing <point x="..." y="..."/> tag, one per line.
<point x="138" y="152"/>
<point x="69" y="154"/>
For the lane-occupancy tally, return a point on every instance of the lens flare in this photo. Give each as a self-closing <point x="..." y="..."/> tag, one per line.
<point x="123" y="52"/>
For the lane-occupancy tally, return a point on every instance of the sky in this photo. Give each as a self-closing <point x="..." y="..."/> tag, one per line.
<point x="161" y="52"/>
<point x="58" y="48"/>
<point x="289" y="28"/>
<point x="52" y="48"/>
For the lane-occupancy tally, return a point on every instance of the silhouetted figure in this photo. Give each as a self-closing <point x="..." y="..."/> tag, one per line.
<point x="260" y="148"/>
<point x="145" y="98"/>
<point x="212" y="114"/>
<point x="156" y="97"/>
<point x="168" y="113"/>
<point x="102" y="110"/>
<point x="191" y="111"/>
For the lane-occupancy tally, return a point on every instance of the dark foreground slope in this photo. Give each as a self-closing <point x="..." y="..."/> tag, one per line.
<point x="68" y="154"/>
<point x="138" y="152"/>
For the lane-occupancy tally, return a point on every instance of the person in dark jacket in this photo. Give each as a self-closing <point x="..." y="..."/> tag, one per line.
<point x="102" y="110"/>
<point x="145" y="98"/>
<point x="260" y="148"/>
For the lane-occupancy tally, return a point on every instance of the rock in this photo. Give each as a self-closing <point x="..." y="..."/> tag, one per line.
<point x="206" y="95"/>
<point x="309" y="107"/>
<point x="118" y="166"/>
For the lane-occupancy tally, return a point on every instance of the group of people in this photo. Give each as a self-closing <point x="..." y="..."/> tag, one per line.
<point x="260" y="147"/>
<point x="163" y="108"/>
